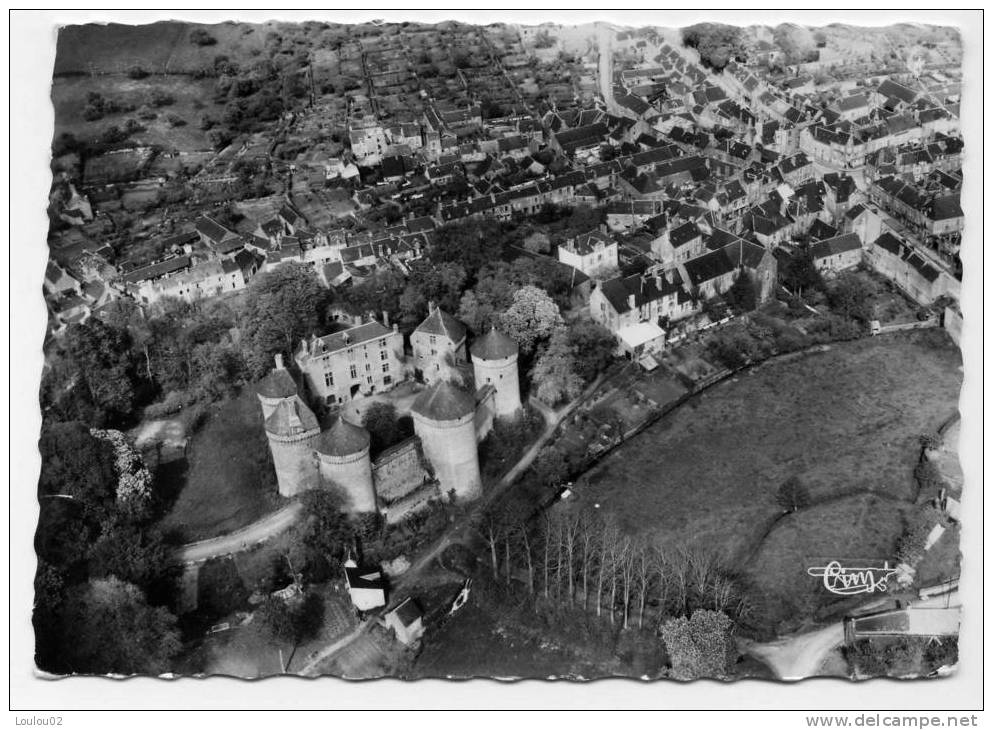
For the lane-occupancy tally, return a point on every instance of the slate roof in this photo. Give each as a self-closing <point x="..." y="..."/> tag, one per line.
<point x="585" y="243"/>
<point x="444" y="402"/>
<point x="684" y="234"/>
<point x="853" y="102"/>
<point x="408" y="612"/>
<point x="291" y="417"/>
<point x="494" y="345"/>
<point x="724" y="260"/>
<point x="836" y="245"/>
<point x="645" y="288"/>
<point x="349" y="338"/>
<point x="440" y="322"/>
<point x="278" y="384"/>
<point x="343" y="439"/>
<point x="212" y="230"/>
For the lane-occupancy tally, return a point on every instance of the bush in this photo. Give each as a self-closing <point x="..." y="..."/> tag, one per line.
<point x="137" y="72"/>
<point x="834" y="327"/>
<point x="175" y="120"/>
<point x="200" y="37"/>
<point x="910" y="547"/>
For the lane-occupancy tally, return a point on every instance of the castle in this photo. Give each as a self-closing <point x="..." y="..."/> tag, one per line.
<point x="441" y="460"/>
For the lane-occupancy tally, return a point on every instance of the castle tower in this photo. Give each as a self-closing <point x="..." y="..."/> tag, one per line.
<point x="343" y="461"/>
<point x="444" y="420"/>
<point x="494" y="361"/>
<point x="292" y="430"/>
<point x="275" y="387"/>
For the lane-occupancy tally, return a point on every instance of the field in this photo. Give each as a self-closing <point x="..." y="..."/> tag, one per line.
<point x="163" y="47"/>
<point x="845" y="421"/>
<point x="193" y="97"/>
<point x="228" y="482"/>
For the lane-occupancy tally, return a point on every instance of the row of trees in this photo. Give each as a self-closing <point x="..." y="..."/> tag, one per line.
<point x="580" y="558"/>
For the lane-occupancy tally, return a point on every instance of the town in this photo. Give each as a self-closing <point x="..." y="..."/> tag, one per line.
<point x="411" y="350"/>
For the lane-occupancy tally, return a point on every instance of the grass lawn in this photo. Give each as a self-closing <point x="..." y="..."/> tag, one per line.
<point x="163" y="47"/>
<point x="488" y="639"/>
<point x="853" y="530"/>
<point x="69" y="98"/>
<point x="845" y="421"/>
<point x="228" y="481"/>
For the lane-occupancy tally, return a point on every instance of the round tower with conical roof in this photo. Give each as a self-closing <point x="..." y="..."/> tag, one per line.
<point x="292" y="430"/>
<point x="494" y="362"/>
<point x="343" y="462"/>
<point x="444" y="420"/>
<point x="275" y="387"/>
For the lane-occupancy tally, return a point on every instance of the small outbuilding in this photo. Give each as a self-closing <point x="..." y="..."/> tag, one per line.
<point x="407" y="621"/>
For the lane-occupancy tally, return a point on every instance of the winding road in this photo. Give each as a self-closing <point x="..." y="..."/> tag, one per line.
<point x="242" y="539"/>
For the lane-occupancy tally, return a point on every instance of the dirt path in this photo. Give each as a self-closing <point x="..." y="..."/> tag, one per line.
<point x="308" y="670"/>
<point x="800" y="656"/>
<point x="243" y="539"/>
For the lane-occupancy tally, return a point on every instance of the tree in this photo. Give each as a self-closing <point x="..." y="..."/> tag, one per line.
<point x="799" y="272"/>
<point x="281" y="308"/>
<point x="742" y="295"/>
<point x="107" y="627"/>
<point x="327" y="535"/>
<point x="441" y="283"/>
<point x="852" y="296"/>
<point x="131" y="553"/>
<point x="700" y="646"/>
<point x="593" y="347"/>
<point x="385" y="430"/>
<point x="101" y="367"/>
<point x="537" y="242"/>
<point x="381" y="291"/>
<point x="531" y="318"/>
<point x="78" y="466"/>
<point x="293" y="620"/>
<point x="200" y="37"/>
<point x="717" y="43"/>
<point x="792" y="495"/>
<point x="555" y="370"/>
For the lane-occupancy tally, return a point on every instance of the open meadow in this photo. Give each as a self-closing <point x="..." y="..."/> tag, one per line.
<point x="226" y="481"/>
<point x="845" y="421"/>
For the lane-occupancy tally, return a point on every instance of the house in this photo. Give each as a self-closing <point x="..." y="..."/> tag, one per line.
<point x="366" y="588"/>
<point x="863" y="220"/>
<point x="438" y="337"/>
<point x="901" y="264"/>
<point x="838" y="253"/>
<point x="653" y="296"/>
<point x="58" y="281"/>
<point x="364" y="359"/>
<point x="639" y="339"/>
<point x="407" y="622"/>
<point x="680" y="245"/>
<point x="713" y="273"/>
<point x="629" y="214"/>
<point x="852" y="107"/>
<point x="213" y="234"/>
<point x="592" y="253"/>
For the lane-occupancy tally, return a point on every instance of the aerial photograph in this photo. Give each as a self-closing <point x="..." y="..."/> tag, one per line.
<point x="456" y="350"/>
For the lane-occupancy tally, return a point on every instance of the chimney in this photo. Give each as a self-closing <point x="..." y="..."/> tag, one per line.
<point x="279" y="361"/>
<point x="396" y="328"/>
<point x="431" y="306"/>
<point x="386" y="318"/>
<point x="631" y="301"/>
